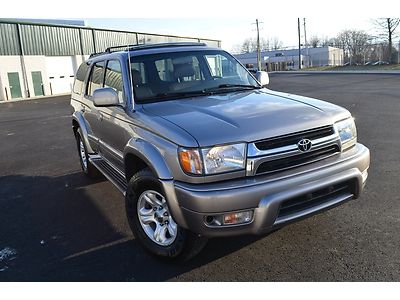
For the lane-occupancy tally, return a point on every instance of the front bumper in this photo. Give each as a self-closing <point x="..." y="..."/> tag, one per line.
<point x="190" y="204"/>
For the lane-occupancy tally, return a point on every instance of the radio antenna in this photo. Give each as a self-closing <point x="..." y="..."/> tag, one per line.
<point x="130" y="71"/>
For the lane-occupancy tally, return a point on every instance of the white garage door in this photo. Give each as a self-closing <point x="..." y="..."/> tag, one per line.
<point x="60" y="70"/>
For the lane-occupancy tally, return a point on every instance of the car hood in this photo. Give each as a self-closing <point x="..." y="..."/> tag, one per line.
<point x="246" y="116"/>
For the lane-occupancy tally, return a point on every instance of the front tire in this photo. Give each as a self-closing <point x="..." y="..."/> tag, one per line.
<point x="151" y="221"/>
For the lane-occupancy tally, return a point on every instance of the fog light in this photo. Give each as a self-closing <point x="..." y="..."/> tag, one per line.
<point x="238" y="218"/>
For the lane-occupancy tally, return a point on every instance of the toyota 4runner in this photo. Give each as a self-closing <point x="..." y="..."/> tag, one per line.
<point x="200" y="148"/>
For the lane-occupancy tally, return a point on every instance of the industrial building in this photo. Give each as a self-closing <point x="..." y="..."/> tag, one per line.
<point x="289" y="59"/>
<point x="41" y="59"/>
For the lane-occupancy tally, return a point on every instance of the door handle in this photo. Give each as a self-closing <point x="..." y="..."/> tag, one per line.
<point x="100" y="116"/>
<point x="82" y="108"/>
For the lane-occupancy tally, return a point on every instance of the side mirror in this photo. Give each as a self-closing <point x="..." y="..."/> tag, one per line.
<point x="105" y="97"/>
<point x="262" y="78"/>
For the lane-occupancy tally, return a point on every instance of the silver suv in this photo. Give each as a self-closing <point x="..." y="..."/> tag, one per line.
<point x="200" y="148"/>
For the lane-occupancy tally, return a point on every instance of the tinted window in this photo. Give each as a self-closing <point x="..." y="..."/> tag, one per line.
<point x="180" y="69"/>
<point x="176" y="75"/>
<point x="221" y="66"/>
<point x="113" y="78"/>
<point x="80" y="78"/>
<point x="138" y="73"/>
<point x="96" y="78"/>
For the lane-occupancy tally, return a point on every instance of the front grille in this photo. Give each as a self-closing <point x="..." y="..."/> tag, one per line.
<point x="297" y="160"/>
<point x="306" y="201"/>
<point x="294" y="138"/>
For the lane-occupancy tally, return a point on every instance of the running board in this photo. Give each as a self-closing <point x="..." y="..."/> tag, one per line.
<point x="110" y="172"/>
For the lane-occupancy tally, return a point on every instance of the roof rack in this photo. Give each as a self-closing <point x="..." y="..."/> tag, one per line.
<point x="146" y="46"/>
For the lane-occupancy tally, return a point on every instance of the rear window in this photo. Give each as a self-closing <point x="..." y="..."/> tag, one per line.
<point x="80" y="78"/>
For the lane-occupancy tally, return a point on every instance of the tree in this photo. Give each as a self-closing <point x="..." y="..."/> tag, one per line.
<point x="314" y="41"/>
<point x="277" y="44"/>
<point x="249" y="45"/>
<point x="354" y="43"/>
<point x="326" y="41"/>
<point x="387" y="28"/>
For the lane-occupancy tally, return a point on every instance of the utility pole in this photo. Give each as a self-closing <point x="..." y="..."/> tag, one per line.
<point x="258" y="48"/>
<point x="298" y="27"/>
<point x="306" y="43"/>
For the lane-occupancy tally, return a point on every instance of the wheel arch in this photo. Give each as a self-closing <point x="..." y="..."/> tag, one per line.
<point x="139" y="154"/>
<point x="79" y="122"/>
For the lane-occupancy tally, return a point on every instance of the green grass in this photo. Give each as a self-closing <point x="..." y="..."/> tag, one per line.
<point x="354" y="68"/>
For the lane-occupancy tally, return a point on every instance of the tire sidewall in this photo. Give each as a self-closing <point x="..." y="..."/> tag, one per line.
<point x="78" y="139"/>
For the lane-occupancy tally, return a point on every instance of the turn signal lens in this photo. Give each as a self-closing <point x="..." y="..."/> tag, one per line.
<point x="190" y="161"/>
<point x="233" y="218"/>
<point x="238" y="218"/>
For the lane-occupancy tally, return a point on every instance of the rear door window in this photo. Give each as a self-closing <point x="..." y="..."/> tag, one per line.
<point x="80" y="78"/>
<point x="96" y="78"/>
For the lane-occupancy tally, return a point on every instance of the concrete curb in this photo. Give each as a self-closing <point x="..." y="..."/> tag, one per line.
<point x="34" y="98"/>
<point x="383" y="72"/>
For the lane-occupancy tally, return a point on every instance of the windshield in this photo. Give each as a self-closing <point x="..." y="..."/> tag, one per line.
<point x="167" y="76"/>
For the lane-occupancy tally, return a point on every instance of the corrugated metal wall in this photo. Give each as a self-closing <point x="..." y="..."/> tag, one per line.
<point x="9" y="40"/>
<point x="52" y="40"/>
<point x="87" y="41"/>
<point x="105" y="39"/>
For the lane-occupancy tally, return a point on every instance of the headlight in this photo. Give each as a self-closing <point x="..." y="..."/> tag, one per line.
<point x="222" y="159"/>
<point x="347" y="132"/>
<point x="215" y="160"/>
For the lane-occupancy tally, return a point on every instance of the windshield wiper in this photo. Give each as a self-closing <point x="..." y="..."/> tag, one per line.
<point x="234" y="86"/>
<point x="181" y="94"/>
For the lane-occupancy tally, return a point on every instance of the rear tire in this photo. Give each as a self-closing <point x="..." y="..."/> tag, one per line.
<point x="87" y="167"/>
<point x="152" y="224"/>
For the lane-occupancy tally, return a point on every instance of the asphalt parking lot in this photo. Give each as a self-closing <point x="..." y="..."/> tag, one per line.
<point x="56" y="225"/>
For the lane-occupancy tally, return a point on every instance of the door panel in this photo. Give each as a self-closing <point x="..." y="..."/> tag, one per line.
<point x="14" y="84"/>
<point x="37" y="83"/>
<point x="112" y="133"/>
<point x="91" y="113"/>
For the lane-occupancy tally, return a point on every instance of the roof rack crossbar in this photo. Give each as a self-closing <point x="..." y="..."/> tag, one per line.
<point x="146" y="46"/>
<point x="150" y="46"/>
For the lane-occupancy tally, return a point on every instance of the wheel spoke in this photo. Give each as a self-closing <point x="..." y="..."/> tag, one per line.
<point x="172" y="228"/>
<point x="152" y="199"/>
<point x="146" y="212"/>
<point x="146" y="216"/>
<point x="160" y="233"/>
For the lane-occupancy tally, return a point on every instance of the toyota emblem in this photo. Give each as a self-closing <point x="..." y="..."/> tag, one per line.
<point x="304" y="145"/>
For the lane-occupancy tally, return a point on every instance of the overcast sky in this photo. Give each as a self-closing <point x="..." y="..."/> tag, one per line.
<point x="232" y="31"/>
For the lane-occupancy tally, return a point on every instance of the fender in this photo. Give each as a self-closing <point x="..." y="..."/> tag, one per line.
<point x="77" y="116"/>
<point x="153" y="158"/>
<point x="150" y="155"/>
